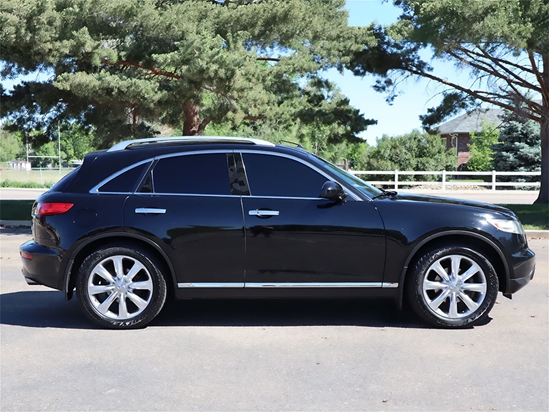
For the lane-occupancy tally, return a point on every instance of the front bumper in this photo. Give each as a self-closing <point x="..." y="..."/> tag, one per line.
<point x="41" y="265"/>
<point x="523" y="267"/>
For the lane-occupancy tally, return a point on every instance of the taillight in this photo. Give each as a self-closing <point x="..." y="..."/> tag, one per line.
<point x="54" y="208"/>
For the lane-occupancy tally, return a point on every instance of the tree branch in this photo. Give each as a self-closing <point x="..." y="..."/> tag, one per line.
<point x="156" y="72"/>
<point x="485" y="66"/>
<point x="488" y="97"/>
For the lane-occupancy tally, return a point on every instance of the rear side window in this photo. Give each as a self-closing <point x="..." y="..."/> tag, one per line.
<point x="125" y="182"/>
<point x="193" y="174"/>
<point x="270" y="175"/>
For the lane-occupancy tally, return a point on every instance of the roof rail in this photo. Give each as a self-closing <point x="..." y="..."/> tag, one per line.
<point x="189" y="139"/>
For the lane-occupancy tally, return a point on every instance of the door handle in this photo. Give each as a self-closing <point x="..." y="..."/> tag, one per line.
<point x="263" y="213"/>
<point x="146" y="210"/>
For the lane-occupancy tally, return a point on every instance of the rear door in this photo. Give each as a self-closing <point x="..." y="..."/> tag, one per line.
<point x="295" y="239"/>
<point x="187" y="206"/>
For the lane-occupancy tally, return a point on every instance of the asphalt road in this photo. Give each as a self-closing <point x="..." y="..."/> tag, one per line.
<point x="269" y="355"/>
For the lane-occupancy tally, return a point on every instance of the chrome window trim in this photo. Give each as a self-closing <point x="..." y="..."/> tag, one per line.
<point x="183" y="194"/>
<point x="95" y="189"/>
<point x="311" y="166"/>
<point x="300" y="285"/>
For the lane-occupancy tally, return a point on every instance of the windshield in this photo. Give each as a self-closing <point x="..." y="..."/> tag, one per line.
<point x="351" y="179"/>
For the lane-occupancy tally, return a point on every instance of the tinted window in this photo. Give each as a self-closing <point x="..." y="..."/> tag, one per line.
<point x="279" y="176"/>
<point x="127" y="181"/>
<point x="193" y="174"/>
<point x="64" y="184"/>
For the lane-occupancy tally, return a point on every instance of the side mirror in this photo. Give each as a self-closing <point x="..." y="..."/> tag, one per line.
<point x="333" y="191"/>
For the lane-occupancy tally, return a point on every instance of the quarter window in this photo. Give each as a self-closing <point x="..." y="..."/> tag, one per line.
<point x="270" y="175"/>
<point x="125" y="182"/>
<point x="193" y="174"/>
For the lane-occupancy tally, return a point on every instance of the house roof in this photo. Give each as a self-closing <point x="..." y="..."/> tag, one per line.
<point x="471" y="122"/>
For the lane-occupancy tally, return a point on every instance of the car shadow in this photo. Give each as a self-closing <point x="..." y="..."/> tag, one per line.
<point x="48" y="309"/>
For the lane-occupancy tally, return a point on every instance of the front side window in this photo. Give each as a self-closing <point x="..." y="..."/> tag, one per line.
<point x="270" y="175"/>
<point x="192" y="174"/>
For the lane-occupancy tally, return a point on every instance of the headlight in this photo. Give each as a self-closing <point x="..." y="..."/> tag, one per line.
<point x="506" y="225"/>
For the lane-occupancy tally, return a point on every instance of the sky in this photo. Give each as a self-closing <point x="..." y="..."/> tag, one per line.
<point x="416" y="96"/>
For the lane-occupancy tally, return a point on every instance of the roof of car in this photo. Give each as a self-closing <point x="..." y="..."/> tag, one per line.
<point x="186" y="140"/>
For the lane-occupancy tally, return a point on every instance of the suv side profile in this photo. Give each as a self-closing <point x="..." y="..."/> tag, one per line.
<point x="215" y="217"/>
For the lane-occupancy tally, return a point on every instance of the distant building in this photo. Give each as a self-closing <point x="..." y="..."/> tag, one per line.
<point x="457" y="132"/>
<point x="19" y="165"/>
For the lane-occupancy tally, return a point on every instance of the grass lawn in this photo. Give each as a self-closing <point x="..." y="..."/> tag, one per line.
<point x="533" y="217"/>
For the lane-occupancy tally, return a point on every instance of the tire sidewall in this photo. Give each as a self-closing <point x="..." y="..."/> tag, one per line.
<point x="415" y="289"/>
<point x="142" y="319"/>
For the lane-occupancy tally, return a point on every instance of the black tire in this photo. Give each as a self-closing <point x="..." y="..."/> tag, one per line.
<point x="120" y="288"/>
<point x="451" y="301"/>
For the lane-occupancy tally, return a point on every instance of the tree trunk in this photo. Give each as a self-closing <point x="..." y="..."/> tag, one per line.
<point x="543" y="196"/>
<point x="191" y="124"/>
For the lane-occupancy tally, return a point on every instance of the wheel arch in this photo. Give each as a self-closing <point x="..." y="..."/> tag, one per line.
<point x="470" y="240"/>
<point x="117" y="239"/>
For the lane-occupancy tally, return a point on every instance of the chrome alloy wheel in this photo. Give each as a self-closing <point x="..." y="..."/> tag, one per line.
<point x="120" y="287"/>
<point x="454" y="287"/>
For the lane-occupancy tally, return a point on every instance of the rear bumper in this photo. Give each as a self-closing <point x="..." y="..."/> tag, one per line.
<point x="523" y="268"/>
<point x="41" y="265"/>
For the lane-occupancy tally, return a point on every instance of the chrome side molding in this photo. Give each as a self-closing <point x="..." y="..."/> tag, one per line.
<point x="287" y="285"/>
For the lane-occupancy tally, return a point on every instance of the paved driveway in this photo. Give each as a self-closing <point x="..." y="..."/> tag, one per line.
<point x="269" y="355"/>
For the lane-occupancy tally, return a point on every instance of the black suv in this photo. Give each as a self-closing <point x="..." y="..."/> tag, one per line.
<point x="218" y="217"/>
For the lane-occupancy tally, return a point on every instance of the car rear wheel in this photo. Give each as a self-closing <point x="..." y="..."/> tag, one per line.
<point x="120" y="288"/>
<point x="453" y="287"/>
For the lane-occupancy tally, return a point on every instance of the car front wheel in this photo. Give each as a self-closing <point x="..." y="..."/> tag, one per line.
<point x="453" y="287"/>
<point x="120" y="288"/>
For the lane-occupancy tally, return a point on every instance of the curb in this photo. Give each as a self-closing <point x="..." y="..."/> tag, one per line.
<point x="530" y="234"/>
<point x="15" y="223"/>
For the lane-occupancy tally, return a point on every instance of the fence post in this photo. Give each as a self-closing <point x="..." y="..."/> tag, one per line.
<point x="444" y="180"/>
<point x="396" y="179"/>
<point x="493" y="180"/>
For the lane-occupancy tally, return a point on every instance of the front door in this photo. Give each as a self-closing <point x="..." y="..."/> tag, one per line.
<point x="296" y="239"/>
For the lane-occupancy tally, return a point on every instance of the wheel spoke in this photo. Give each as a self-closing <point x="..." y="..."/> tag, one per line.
<point x="456" y="261"/>
<point x="145" y="285"/>
<point x="437" y="267"/>
<point x="122" y="306"/>
<point x="118" y="266"/>
<point x="453" y="312"/>
<point x="140" y="303"/>
<point x="428" y="285"/>
<point x="473" y="270"/>
<point x="474" y="287"/>
<point x="136" y="268"/>
<point x="435" y="303"/>
<point x="104" y="273"/>
<point x="104" y="307"/>
<point x="97" y="289"/>
<point x="471" y="304"/>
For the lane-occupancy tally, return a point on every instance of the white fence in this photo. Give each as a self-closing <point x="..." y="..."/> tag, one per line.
<point x="446" y="182"/>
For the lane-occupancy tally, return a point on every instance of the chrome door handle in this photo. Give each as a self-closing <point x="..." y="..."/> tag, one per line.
<point x="146" y="210"/>
<point x="262" y="213"/>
